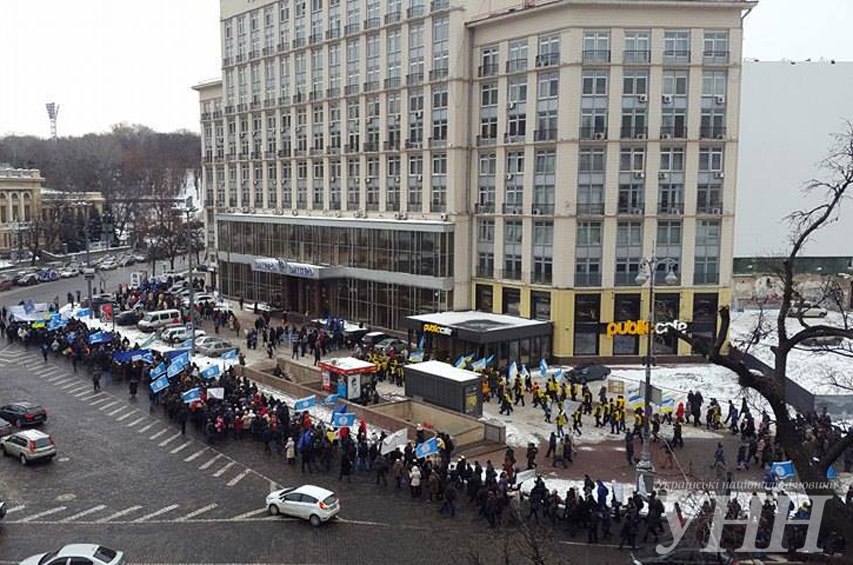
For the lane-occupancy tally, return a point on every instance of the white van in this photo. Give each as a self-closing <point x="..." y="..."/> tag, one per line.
<point x="153" y="321"/>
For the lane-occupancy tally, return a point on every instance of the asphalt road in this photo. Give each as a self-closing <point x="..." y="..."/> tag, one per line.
<point x="127" y="478"/>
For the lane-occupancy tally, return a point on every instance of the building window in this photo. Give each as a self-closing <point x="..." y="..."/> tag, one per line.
<point x="626" y="307"/>
<point x="353" y="183"/>
<point x="372" y="183"/>
<point x="512" y="250"/>
<point x="635" y="91"/>
<point x="416" y="53"/>
<point x="638" y="48"/>
<point x="632" y="185"/>
<point x="485" y="248"/>
<point x="666" y="310"/>
<point x="716" y="47"/>
<point x="596" y="47"/>
<point x="392" y="199"/>
<point x="543" y="252"/>
<point x="514" y="187"/>
<point x="709" y="192"/>
<point x="549" y="51"/>
<point x="511" y="301"/>
<point x="393" y="57"/>
<point x="440" y="46"/>
<point x="546" y="106"/>
<point x="676" y="46"/>
<point x="488" y="113"/>
<point x="671" y="181"/>
<point x="516" y="108"/>
<point x="591" y="182"/>
<point x="713" y="120"/>
<point x="416" y="178"/>
<point x="438" y="184"/>
<point x="707" y="256"/>
<point x="629" y="249"/>
<point x="517" y="61"/>
<point x="483" y="298"/>
<point x="594" y="104"/>
<point x="668" y="248"/>
<point x="544" y="179"/>
<point x="587" y="324"/>
<point x="588" y="254"/>
<point x="489" y="61"/>
<point x="439" y="114"/>
<point x="540" y="305"/>
<point x="486" y="183"/>
<point x="704" y="326"/>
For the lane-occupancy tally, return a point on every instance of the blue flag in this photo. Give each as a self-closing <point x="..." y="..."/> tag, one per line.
<point x="211" y="372"/>
<point x="305" y="403"/>
<point x="479" y="364"/>
<point x="512" y="371"/>
<point x="29" y="306"/>
<point x="187" y="344"/>
<point x="490" y="359"/>
<point x="426" y="448"/>
<point x="192" y="395"/>
<point x="343" y="420"/>
<point x="783" y="470"/>
<point x="159" y="384"/>
<point x="172" y="353"/>
<point x="331" y="399"/>
<point x="175" y="368"/>
<point x="543" y="368"/>
<point x="83" y="313"/>
<point x="230" y="354"/>
<point x="182" y="359"/>
<point x="422" y="342"/>
<point x="100" y="337"/>
<point x="158" y="370"/>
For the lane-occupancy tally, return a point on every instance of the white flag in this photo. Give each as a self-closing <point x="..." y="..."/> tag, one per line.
<point x="216" y="392"/>
<point x="398" y="439"/>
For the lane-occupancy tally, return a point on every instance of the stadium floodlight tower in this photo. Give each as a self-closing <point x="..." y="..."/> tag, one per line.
<point x="53" y="114"/>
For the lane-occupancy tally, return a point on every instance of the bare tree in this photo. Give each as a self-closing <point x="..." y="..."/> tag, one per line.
<point x="769" y="381"/>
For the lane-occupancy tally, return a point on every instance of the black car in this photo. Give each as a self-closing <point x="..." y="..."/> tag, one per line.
<point x="129" y="318"/>
<point x="24" y="413"/>
<point x="588" y="372"/>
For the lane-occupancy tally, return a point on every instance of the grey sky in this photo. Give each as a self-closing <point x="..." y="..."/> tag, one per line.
<point x="108" y="61"/>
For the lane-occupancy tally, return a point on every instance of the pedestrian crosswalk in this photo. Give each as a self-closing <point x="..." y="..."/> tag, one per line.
<point x="172" y="441"/>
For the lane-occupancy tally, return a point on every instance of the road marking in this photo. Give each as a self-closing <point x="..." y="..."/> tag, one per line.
<point x="119" y="514"/>
<point x="48" y="372"/>
<point x="91" y="396"/>
<point x="249" y="514"/>
<point x="209" y="463"/>
<point x="180" y="447"/>
<point x="158" y="434"/>
<point x="221" y="471"/>
<point x="238" y="478"/>
<point x="73" y="383"/>
<point x="96" y="402"/>
<point x="77" y="390"/>
<point x="16" y="509"/>
<point x="108" y="404"/>
<point x="117" y="410"/>
<point x="133" y="423"/>
<point x="169" y="440"/>
<point x="41" y="514"/>
<point x="144" y="428"/>
<point x="195" y="455"/>
<point x="361" y="522"/>
<point x="157" y="513"/>
<point x="58" y="379"/>
<point x="92" y="510"/>
<point x="126" y="416"/>
<point x="196" y="513"/>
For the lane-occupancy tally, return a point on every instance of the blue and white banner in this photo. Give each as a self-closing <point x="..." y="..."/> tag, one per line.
<point x="463" y="360"/>
<point x="231" y="354"/>
<point x="305" y="403"/>
<point x="172" y="353"/>
<point x="175" y="368"/>
<point x="148" y="341"/>
<point x="343" y="420"/>
<point x="187" y="344"/>
<point x="558" y="374"/>
<point x="211" y="372"/>
<point x="426" y="448"/>
<point x="479" y="364"/>
<point x="543" y="368"/>
<point x="192" y="395"/>
<point x="157" y="371"/>
<point x="524" y="371"/>
<point x="100" y="337"/>
<point x="159" y="384"/>
<point x="29" y="306"/>
<point x="783" y="470"/>
<point x="182" y="359"/>
<point x="398" y="439"/>
<point x="83" y="313"/>
<point x="512" y="371"/>
<point x="331" y="399"/>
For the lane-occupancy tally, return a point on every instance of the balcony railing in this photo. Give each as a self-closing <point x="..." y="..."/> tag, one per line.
<point x="591" y="209"/>
<point x="333" y="92"/>
<point x="666" y="209"/>
<point x="712" y="208"/>
<point x="439" y="73"/>
<point x="514" y="137"/>
<point x="513" y="209"/>
<point x="637" y="56"/>
<point x="315" y="94"/>
<point x="298" y="42"/>
<point x="439" y="5"/>
<point x="284" y="152"/>
<point x="712" y="132"/>
<point x="298" y="98"/>
<point x="371" y="23"/>
<point x="634" y="132"/>
<point x="631" y="208"/>
<point x="269" y="103"/>
<point x="676" y="56"/>
<point x="416" y="12"/>
<point x="350" y="29"/>
<point x="596" y="56"/>
<point x="542" y="209"/>
<point x="370" y="146"/>
<point x="389" y="145"/>
<point x="438" y="142"/>
<point x="715" y="57"/>
<point x="333" y="33"/>
<point x="545" y="135"/>
<point x="628" y="278"/>
<point x="485" y="272"/>
<point x="673" y="132"/>
<point x="587" y="279"/>
<point x="350" y="89"/>
<point x="594" y="132"/>
<point x="414" y="144"/>
<point x="254" y="54"/>
<point x="547" y="59"/>
<point x="488" y="70"/>
<point x="315" y="38"/>
<point x="414" y="78"/>
<point x="486" y="140"/>
<point x="393" y="17"/>
<point x="392" y="82"/>
<point x="484" y="208"/>
<point x="516" y="65"/>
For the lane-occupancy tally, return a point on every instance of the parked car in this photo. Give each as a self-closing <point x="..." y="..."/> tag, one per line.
<point x="6" y="284"/>
<point x="179" y="334"/>
<point x="78" y="553"/>
<point x="28" y="279"/>
<point x="216" y="348"/>
<point x="126" y="261"/>
<point x="28" y="446"/>
<point x="370" y="339"/>
<point x="129" y="317"/>
<point x="588" y="372"/>
<point x="806" y="310"/>
<point x="48" y="275"/>
<point x="309" y="502"/>
<point x="5" y="428"/>
<point x="153" y="321"/>
<point x="389" y="343"/>
<point x="23" y="413"/>
<point x="199" y="299"/>
<point x="69" y="273"/>
<point x="2" y="508"/>
<point x="206" y="340"/>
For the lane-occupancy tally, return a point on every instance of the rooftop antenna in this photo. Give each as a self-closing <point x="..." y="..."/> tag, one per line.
<point x="53" y="114"/>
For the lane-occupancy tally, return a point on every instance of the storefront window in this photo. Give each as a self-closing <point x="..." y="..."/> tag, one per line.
<point x="705" y="307"/>
<point x="666" y="310"/>
<point x="626" y="307"/>
<point x="524" y="351"/>
<point x="587" y="322"/>
<point x="540" y="305"/>
<point x="511" y="298"/>
<point x="483" y="298"/>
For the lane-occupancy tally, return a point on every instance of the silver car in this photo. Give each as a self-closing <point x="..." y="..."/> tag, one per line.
<point x="28" y="446"/>
<point x="78" y="553"/>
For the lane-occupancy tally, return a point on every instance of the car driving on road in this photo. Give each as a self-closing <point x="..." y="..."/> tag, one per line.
<point x="28" y="446"/>
<point x="309" y="502"/>
<point x="23" y="413"/>
<point x="78" y="553"/>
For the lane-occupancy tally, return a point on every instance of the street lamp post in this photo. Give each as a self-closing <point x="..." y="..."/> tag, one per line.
<point x="648" y="269"/>
<point x="189" y="211"/>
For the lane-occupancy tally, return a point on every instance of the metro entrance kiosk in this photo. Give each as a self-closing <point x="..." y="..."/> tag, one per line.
<point x="347" y="377"/>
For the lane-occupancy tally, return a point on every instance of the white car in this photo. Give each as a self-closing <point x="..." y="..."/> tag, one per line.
<point x="206" y="340"/>
<point x="179" y="334"/>
<point x="28" y="446"/>
<point x="315" y="504"/>
<point x="69" y="273"/>
<point x="806" y="310"/>
<point x="201" y="299"/>
<point x="81" y="553"/>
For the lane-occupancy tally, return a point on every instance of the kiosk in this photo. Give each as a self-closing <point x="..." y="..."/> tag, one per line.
<point x="446" y="386"/>
<point x="346" y="376"/>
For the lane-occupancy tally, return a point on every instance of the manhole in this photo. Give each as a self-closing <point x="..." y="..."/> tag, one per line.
<point x="64" y="459"/>
<point x="66" y="497"/>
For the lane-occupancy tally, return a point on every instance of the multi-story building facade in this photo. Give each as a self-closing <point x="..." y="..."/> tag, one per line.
<point x="376" y="159"/>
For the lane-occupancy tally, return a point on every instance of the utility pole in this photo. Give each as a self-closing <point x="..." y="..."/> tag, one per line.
<point x="189" y="212"/>
<point x="90" y="273"/>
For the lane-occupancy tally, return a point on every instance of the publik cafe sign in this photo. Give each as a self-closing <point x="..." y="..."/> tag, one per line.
<point x="642" y="327"/>
<point x="436" y="329"/>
